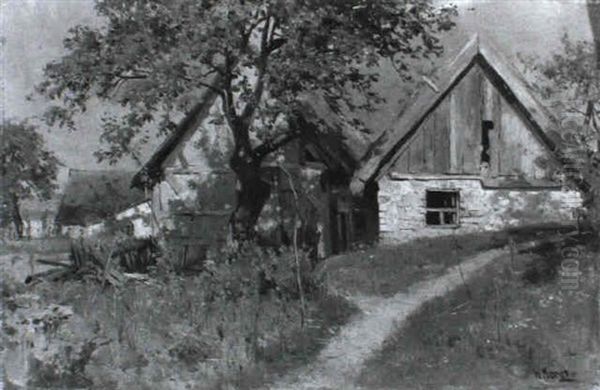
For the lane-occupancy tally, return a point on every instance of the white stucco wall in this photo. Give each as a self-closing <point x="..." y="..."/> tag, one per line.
<point x="34" y="228"/>
<point x="402" y="208"/>
<point x="72" y="231"/>
<point x="139" y="215"/>
<point x="140" y="218"/>
<point x="92" y="230"/>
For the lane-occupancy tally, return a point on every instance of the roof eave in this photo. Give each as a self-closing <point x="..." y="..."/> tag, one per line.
<point x="375" y="166"/>
<point x="427" y="98"/>
<point x="151" y="172"/>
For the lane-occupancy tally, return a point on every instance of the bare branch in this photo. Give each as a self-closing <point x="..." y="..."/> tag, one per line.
<point x="274" y="143"/>
<point x="250" y="108"/>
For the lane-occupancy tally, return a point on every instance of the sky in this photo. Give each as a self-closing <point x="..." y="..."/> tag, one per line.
<point x="32" y="32"/>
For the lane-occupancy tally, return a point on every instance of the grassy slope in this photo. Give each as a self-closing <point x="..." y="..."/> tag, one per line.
<point x="385" y="271"/>
<point x="327" y="315"/>
<point x="166" y="331"/>
<point x="513" y="327"/>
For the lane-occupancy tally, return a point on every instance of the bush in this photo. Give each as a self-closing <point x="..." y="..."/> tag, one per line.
<point x="234" y="323"/>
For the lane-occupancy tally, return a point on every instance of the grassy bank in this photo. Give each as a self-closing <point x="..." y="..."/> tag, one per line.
<point x="219" y="329"/>
<point x="521" y="324"/>
<point x="386" y="270"/>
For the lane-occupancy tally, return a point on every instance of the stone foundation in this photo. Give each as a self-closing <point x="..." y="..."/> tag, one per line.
<point x="402" y="207"/>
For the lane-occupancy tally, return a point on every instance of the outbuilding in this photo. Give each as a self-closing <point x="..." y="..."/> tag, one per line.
<point x="474" y="151"/>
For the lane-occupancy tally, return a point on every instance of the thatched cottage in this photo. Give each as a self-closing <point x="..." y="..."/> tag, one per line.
<point x="192" y="189"/>
<point x="474" y="151"/>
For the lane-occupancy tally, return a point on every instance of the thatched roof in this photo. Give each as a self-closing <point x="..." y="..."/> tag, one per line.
<point x="319" y="124"/>
<point x="407" y="104"/>
<point x="91" y="196"/>
<point x="342" y="154"/>
<point x="380" y="156"/>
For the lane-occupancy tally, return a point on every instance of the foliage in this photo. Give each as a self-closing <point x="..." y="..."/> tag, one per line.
<point x="105" y="255"/>
<point x="259" y="57"/>
<point x="233" y="325"/>
<point x="46" y="345"/>
<point x="27" y="168"/>
<point x="174" y="48"/>
<point x="105" y="259"/>
<point x="569" y="83"/>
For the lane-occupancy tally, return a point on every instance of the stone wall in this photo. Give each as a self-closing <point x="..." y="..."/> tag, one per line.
<point x="402" y="207"/>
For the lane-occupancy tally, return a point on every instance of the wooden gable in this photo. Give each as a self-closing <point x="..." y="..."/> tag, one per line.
<point x="479" y="85"/>
<point x="477" y="128"/>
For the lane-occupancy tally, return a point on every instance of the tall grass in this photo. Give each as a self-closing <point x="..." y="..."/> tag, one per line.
<point x="236" y="323"/>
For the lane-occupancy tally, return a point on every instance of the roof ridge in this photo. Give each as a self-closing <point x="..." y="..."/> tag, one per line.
<point x="427" y="98"/>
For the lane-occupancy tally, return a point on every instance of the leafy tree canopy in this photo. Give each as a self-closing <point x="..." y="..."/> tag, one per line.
<point x="258" y="56"/>
<point x="27" y="168"/>
<point x="569" y="83"/>
<point x="151" y="56"/>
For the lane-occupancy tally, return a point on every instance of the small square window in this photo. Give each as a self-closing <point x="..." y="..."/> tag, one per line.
<point x="442" y="207"/>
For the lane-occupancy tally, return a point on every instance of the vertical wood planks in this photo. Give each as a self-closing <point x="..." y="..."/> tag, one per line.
<point x="441" y="137"/>
<point x="510" y="148"/>
<point x="428" y="151"/>
<point x="450" y="139"/>
<point x="416" y="153"/>
<point x="492" y="111"/>
<point x="465" y="115"/>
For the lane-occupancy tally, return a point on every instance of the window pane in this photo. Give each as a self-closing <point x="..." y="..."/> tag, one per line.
<point x="449" y="218"/>
<point x="433" y="218"/>
<point x="441" y="199"/>
<point x="442" y="207"/>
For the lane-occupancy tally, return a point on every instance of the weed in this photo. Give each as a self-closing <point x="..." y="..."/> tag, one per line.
<point x="233" y="324"/>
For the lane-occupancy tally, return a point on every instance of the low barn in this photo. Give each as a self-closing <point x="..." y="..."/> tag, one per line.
<point x="91" y="198"/>
<point x="474" y="151"/>
<point x="193" y="190"/>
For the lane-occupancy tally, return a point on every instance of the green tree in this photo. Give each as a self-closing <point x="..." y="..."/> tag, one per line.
<point x="569" y="84"/>
<point x="258" y="56"/>
<point x="28" y="169"/>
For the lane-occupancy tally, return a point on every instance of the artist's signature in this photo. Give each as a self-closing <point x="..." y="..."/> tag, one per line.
<point x="555" y="376"/>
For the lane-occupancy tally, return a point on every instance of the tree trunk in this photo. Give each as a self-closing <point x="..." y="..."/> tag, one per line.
<point x="252" y="193"/>
<point x="16" y="216"/>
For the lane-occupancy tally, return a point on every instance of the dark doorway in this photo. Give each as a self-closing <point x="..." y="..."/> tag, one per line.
<point x="341" y="224"/>
<point x="486" y="126"/>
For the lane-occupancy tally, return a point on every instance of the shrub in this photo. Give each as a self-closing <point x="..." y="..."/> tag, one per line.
<point x="230" y="324"/>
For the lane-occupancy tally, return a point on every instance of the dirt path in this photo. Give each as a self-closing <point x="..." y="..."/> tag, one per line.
<point x="340" y="362"/>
